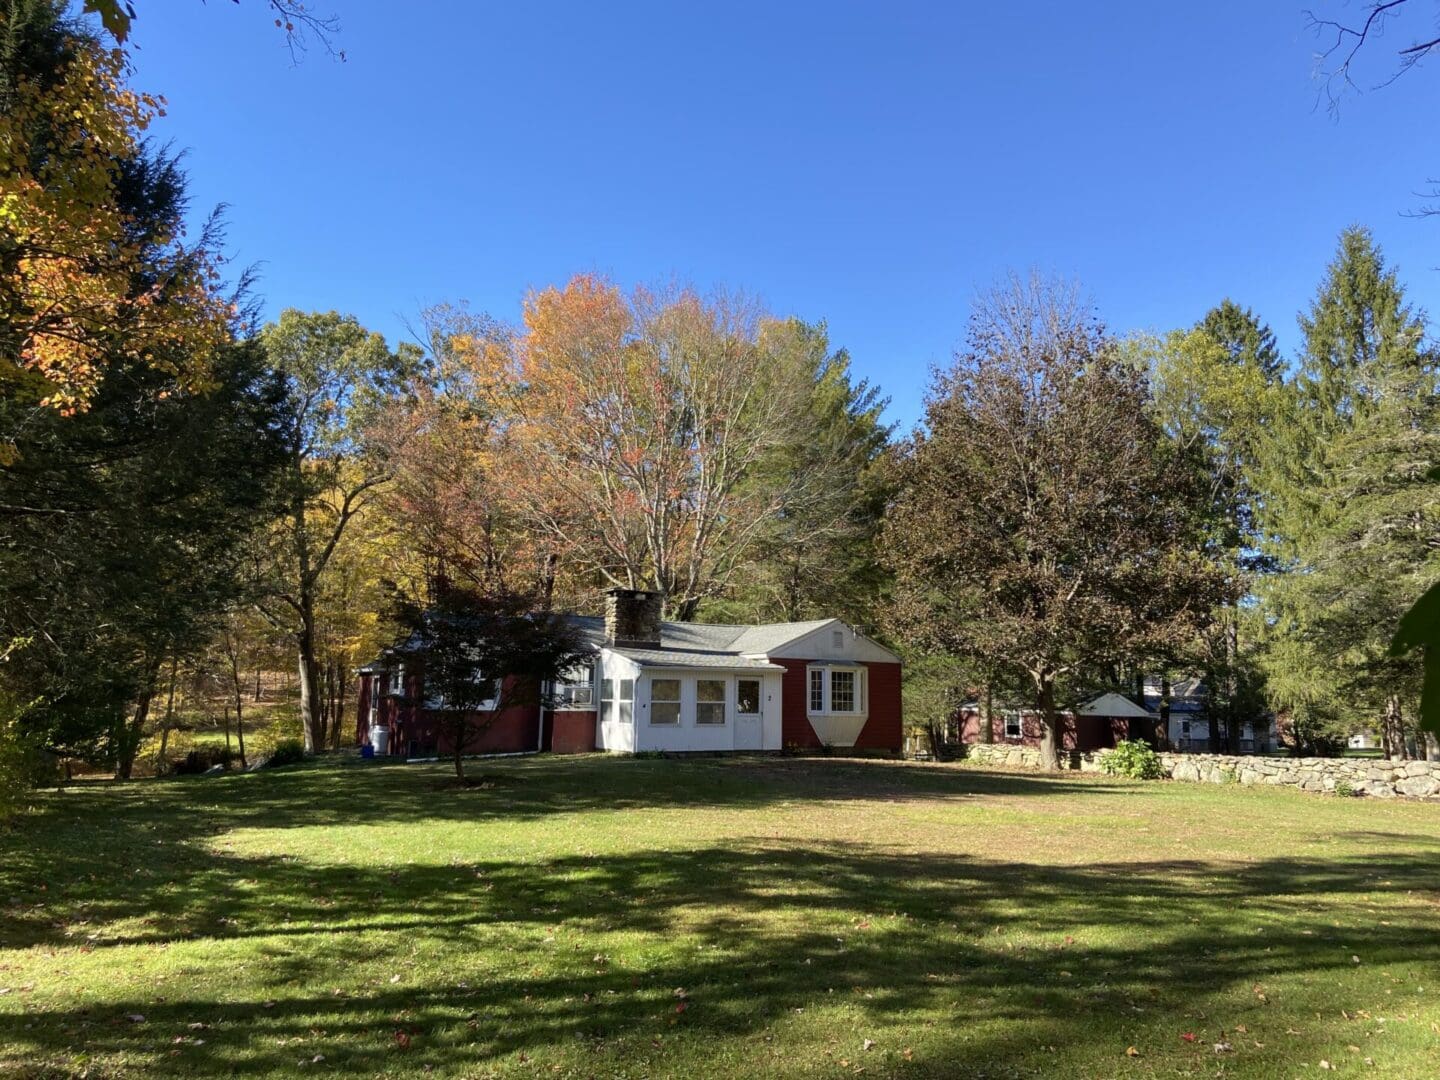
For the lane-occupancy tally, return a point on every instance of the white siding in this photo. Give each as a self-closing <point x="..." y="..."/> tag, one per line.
<point x="613" y="734"/>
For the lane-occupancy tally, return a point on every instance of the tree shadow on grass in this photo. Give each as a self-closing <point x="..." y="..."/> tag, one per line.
<point x="1010" y="954"/>
<point x="778" y="928"/>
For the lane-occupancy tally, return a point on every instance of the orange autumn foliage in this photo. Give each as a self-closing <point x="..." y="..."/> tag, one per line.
<point x="76" y="286"/>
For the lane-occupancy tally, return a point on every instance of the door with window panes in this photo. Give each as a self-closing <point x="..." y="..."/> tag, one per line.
<point x="748" y="713"/>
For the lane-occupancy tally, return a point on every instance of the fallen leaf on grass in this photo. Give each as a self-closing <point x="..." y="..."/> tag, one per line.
<point x="1188" y="1036"/>
<point x="402" y="1040"/>
<point x="868" y="1044"/>
<point x="1223" y="1048"/>
<point x="1130" y="1051"/>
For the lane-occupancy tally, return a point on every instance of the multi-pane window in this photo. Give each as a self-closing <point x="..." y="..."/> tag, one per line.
<point x="664" y="701"/>
<point x="1012" y="726"/>
<point x="607" y="700"/>
<point x="837" y="690"/>
<point x="577" y="688"/>
<point x="709" y="701"/>
<point x="747" y="697"/>
<point x="627" y="700"/>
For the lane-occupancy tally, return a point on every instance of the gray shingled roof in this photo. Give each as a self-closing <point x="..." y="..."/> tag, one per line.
<point x="668" y="657"/>
<point x="716" y="645"/>
<point x="728" y="638"/>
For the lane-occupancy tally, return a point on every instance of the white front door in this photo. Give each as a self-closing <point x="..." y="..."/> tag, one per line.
<point x="748" y="713"/>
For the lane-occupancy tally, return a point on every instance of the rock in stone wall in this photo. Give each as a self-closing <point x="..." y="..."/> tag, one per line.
<point x="1375" y="777"/>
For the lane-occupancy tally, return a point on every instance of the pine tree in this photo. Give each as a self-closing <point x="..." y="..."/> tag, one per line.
<point x="1354" y="515"/>
<point x="1215" y="392"/>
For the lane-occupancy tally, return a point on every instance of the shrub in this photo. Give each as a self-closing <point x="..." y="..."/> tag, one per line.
<point x="202" y="759"/>
<point x="286" y="752"/>
<point x="1134" y="759"/>
<point x="1344" y="789"/>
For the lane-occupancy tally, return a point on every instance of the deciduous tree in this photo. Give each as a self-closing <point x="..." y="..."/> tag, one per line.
<point x="337" y="376"/>
<point x="1045" y="523"/>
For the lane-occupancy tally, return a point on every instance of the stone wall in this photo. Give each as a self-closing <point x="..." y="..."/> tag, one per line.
<point x="1363" y="776"/>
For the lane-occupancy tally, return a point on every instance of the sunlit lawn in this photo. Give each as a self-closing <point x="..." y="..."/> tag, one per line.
<point x="607" y="917"/>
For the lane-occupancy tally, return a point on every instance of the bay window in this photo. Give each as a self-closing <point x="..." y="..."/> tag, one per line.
<point x="838" y="691"/>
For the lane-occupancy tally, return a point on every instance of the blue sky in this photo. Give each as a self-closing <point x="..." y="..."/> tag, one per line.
<point x="870" y="165"/>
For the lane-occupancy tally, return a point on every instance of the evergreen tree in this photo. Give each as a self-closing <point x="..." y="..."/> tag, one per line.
<point x="1353" y="513"/>
<point x="816" y="555"/>
<point x="120" y="524"/>
<point x="1216" y="389"/>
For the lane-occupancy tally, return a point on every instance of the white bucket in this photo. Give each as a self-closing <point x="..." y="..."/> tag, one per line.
<point x="380" y="740"/>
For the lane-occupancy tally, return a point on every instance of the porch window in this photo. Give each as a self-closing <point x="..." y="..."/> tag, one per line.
<point x="607" y="700"/>
<point x="747" y="697"/>
<point x="1013" y="729"/>
<point x="664" y="701"/>
<point x="709" y="701"/>
<point x="627" y="700"/>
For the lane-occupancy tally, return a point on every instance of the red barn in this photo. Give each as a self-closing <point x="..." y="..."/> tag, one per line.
<point x="656" y="685"/>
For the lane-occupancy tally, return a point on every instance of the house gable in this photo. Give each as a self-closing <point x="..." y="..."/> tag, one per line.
<point x="830" y="639"/>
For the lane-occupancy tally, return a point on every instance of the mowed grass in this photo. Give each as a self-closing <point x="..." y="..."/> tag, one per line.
<point x="723" y="917"/>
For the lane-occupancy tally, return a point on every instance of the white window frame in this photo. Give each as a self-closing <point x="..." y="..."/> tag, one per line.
<point x="827" y="672"/>
<point x="723" y="702"/>
<point x="568" y="693"/>
<point x="625" y="701"/>
<point x="677" y="700"/>
<point x="1019" y="722"/>
<point x="759" y="695"/>
<point x="607" y="700"/>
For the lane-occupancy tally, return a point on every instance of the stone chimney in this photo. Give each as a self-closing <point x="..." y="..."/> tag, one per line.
<point x="632" y="618"/>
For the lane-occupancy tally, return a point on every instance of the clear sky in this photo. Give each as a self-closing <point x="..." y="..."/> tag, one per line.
<point x="871" y="165"/>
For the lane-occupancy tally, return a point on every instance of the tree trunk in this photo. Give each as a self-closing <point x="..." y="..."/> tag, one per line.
<point x="1432" y="746"/>
<point x="169" y="716"/>
<point x="1049" y="724"/>
<point x="1232" y="684"/>
<point x="1392" y="730"/>
<point x="231" y="649"/>
<point x="987" y="731"/>
<point x="312" y="722"/>
<point x="133" y="733"/>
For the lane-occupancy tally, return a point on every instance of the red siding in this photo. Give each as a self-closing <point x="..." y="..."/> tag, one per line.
<point x="572" y="732"/>
<point x="884" y="730"/>
<point x="1076" y="732"/>
<point x="795" y="729"/>
<point x="362" y="716"/>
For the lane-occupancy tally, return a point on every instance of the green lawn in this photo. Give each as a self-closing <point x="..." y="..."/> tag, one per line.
<point x="722" y="917"/>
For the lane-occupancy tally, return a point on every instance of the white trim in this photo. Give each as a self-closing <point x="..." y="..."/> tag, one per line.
<point x="817" y="643"/>
<point x="860" y="694"/>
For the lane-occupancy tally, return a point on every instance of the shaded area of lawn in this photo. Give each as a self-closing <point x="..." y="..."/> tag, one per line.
<point x="641" y="918"/>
